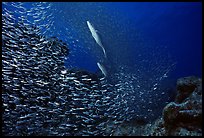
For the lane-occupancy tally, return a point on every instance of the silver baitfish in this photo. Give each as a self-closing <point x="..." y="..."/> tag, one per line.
<point x="39" y="95"/>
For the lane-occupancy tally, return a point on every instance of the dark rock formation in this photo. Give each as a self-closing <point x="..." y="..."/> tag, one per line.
<point x="184" y="116"/>
<point x="187" y="108"/>
<point x="180" y="118"/>
<point x="187" y="85"/>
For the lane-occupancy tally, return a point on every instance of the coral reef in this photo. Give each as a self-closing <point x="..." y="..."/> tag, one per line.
<point x="185" y="114"/>
<point x="183" y="117"/>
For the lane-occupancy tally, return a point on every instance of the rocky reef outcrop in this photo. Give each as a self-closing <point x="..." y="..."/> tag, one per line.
<point x="183" y="117"/>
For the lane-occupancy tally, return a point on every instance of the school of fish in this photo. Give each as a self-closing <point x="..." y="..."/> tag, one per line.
<point x="39" y="95"/>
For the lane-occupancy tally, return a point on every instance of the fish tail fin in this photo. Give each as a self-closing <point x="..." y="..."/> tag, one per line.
<point x="104" y="52"/>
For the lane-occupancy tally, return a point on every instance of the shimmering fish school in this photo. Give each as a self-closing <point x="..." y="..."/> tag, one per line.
<point x="41" y="97"/>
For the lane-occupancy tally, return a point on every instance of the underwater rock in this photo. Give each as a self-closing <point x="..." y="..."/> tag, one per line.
<point x="180" y="118"/>
<point x="180" y="131"/>
<point x="186" y="85"/>
<point x="132" y="128"/>
<point x="155" y="128"/>
<point x="188" y="112"/>
<point x="183" y="118"/>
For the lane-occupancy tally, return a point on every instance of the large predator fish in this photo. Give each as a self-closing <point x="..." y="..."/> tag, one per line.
<point x="95" y="36"/>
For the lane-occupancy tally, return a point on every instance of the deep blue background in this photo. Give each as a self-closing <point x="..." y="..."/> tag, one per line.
<point x="179" y="25"/>
<point x="175" y="24"/>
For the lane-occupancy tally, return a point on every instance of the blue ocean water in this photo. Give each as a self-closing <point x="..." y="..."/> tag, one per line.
<point x="148" y="46"/>
<point x="175" y="25"/>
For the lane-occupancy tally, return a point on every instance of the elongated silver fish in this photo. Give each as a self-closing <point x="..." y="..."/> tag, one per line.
<point x="96" y="37"/>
